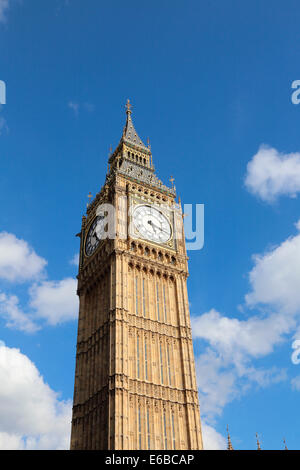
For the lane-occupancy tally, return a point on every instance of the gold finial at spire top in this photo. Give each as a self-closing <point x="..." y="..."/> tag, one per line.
<point x="90" y="198"/>
<point x="172" y="179"/>
<point x="128" y="107"/>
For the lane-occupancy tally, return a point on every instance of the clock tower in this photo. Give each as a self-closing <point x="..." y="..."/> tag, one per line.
<point x="135" y="383"/>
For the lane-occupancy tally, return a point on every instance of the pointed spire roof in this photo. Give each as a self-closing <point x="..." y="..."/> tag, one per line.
<point x="129" y="133"/>
<point x="229" y="445"/>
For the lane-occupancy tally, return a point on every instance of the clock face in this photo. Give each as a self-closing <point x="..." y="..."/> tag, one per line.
<point x="94" y="235"/>
<point x="152" y="224"/>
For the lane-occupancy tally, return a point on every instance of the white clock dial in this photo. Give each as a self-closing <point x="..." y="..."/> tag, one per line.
<point x="152" y="224"/>
<point x="94" y="235"/>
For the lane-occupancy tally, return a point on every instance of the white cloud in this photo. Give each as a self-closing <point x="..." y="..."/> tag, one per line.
<point x="31" y="414"/>
<point x="212" y="440"/>
<point x="4" y="4"/>
<point x="224" y="370"/>
<point x="55" y="301"/>
<point x="14" y="316"/>
<point x="236" y="338"/>
<point x="271" y="174"/>
<point x="11" y="441"/>
<point x="216" y="380"/>
<point x="18" y="261"/>
<point x="275" y="277"/>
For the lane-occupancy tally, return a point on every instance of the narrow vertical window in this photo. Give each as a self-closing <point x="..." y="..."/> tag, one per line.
<point x="168" y="363"/>
<point x="136" y="297"/>
<point x="144" y="306"/>
<point x="161" y="365"/>
<point x="165" y="431"/>
<point x="138" y="356"/>
<point x="146" y="361"/>
<point x="157" y="301"/>
<point x="148" y="430"/>
<point x="165" y="306"/>
<point x="173" y="431"/>
<point x="140" y="429"/>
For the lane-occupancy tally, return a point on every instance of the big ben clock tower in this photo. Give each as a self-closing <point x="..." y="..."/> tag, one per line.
<point x="135" y="382"/>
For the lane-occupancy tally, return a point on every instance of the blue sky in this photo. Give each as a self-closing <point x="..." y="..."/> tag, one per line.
<point x="210" y="84"/>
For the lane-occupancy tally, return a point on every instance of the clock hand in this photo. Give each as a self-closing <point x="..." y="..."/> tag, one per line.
<point x="100" y="229"/>
<point x="152" y="225"/>
<point x="95" y="235"/>
<point x="159" y="228"/>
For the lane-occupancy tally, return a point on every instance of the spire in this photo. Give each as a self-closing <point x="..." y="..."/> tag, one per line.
<point x="258" y="443"/>
<point x="285" y="446"/>
<point x="229" y="445"/>
<point x="129" y="134"/>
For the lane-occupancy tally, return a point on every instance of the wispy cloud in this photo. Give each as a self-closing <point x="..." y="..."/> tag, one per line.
<point x="295" y="382"/>
<point x="4" y="5"/>
<point x="60" y="5"/>
<point x="77" y="107"/>
<point x="3" y="125"/>
<point x="89" y="107"/>
<point x="75" y="260"/>
<point x="74" y="107"/>
<point x="15" y="318"/>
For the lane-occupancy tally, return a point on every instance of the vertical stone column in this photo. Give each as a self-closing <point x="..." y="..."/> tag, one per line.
<point x="187" y="365"/>
<point x="119" y="328"/>
<point x="178" y="430"/>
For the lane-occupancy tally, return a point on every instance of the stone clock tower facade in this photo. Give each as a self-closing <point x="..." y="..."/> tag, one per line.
<point x="135" y="382"/>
